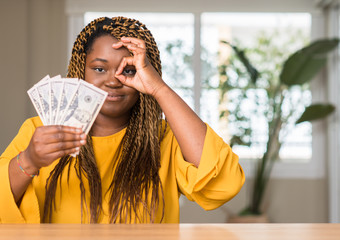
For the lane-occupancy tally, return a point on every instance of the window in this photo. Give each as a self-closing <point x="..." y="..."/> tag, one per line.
<point x="270" y="37"/>
<point x="174" y="33"/>
<point x="194" y="91"/>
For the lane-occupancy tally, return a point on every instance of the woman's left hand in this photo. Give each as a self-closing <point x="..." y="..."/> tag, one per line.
<point x="187" y="127"/>
<point x="146" y="79"/>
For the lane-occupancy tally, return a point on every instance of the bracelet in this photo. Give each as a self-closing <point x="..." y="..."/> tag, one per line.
<point x="30" y="175"/>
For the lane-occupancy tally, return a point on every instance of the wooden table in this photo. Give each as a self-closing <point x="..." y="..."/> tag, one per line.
<point x="171" y="231"/>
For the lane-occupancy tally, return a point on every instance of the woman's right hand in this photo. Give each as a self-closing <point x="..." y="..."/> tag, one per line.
<point x="49" y="143"/>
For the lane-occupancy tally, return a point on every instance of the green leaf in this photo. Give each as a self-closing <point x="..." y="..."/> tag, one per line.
<point x="223" y="113"/>
<point x="316" y="111"/>
<point x="304" y="64"/>
<point x="237" y="140"/>
<point x="252" y="71"/>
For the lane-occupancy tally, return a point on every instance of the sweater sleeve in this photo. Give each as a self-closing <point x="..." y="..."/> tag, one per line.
<point x="218" y="178"/>
<point x="28" y="211"/>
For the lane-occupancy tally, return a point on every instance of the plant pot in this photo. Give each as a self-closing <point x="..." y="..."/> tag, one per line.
<point x="263" y="218"/>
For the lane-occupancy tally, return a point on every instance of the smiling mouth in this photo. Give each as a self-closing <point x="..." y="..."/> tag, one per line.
<point x="114" y="98"/>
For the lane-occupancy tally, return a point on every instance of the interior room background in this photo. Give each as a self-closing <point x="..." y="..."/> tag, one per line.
<point x="37" y="36"/>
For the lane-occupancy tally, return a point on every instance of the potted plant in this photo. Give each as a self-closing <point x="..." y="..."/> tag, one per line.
<point x="272" y="97"/>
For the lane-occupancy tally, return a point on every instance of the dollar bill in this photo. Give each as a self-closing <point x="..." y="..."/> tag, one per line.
<point x="84" y="107"/>
<point x="56" y="89"/>
<point x="67" y="101"/>
<point x="35" y="99"/>
<point x="70" y="86"/>
<point x="34" y="96"/>
<point x="44" y="92"/>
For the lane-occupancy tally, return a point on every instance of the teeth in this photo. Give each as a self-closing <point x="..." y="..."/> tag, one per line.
<point x="112" y="95"/>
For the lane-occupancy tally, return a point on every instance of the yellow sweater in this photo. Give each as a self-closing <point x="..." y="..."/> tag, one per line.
<point x="218" y="178"/>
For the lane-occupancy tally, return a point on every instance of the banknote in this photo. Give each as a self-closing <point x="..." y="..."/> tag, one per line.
<point x="35" y="99"/>
<point x="34" y="96"/>
<point x="67" y="101"/>
<point x="84" y="107"/>
<point x="44" y="92"/>
<point x="69" y="89"/>
<point x="56" y="84"/>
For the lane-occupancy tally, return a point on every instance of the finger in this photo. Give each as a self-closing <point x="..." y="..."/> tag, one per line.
<point x="68" y="129"/>
<point x="134" y="48"/>
<point x="125" y="61"/>
<point x="117" y="45"/>
<point x="62" y="153"/>
<point x="122" y="79"/>
<point x="139" y="42"/>
<point x="64" y="137"/>
<point x="59" y="128"/>
<point x="64" y="146"/>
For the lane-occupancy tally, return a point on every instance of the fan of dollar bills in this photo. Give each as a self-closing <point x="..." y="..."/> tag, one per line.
<point x="67" y="101"/>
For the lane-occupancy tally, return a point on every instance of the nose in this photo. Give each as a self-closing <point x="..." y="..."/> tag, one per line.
<point x="113" y="82"/>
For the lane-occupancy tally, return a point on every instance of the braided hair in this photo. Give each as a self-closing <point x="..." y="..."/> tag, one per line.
<point x="136" y="183"/>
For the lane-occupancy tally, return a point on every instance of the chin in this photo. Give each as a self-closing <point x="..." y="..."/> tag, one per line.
<point x="115" y="113"/>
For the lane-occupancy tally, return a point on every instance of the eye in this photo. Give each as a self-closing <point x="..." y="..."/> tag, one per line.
<point x="129" y="72"/>
<point x="99" y="69"/>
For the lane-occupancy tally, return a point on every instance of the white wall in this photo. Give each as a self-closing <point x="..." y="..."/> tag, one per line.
<point x="13" y="67"/>
<point x="33" y="44"/>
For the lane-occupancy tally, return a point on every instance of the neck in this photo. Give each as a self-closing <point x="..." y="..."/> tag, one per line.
<point x="104" y="126"/>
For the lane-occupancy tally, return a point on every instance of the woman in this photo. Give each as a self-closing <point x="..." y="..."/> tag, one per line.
<point x="132" y="166"/>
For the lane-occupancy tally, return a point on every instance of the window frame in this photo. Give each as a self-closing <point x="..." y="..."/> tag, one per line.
<point x="332" y="12"/>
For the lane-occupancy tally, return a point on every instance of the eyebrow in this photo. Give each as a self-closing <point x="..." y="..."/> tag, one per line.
<point x="99" y="59"/>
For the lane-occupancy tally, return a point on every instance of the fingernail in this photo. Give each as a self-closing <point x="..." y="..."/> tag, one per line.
<point x="82" y="142"/>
